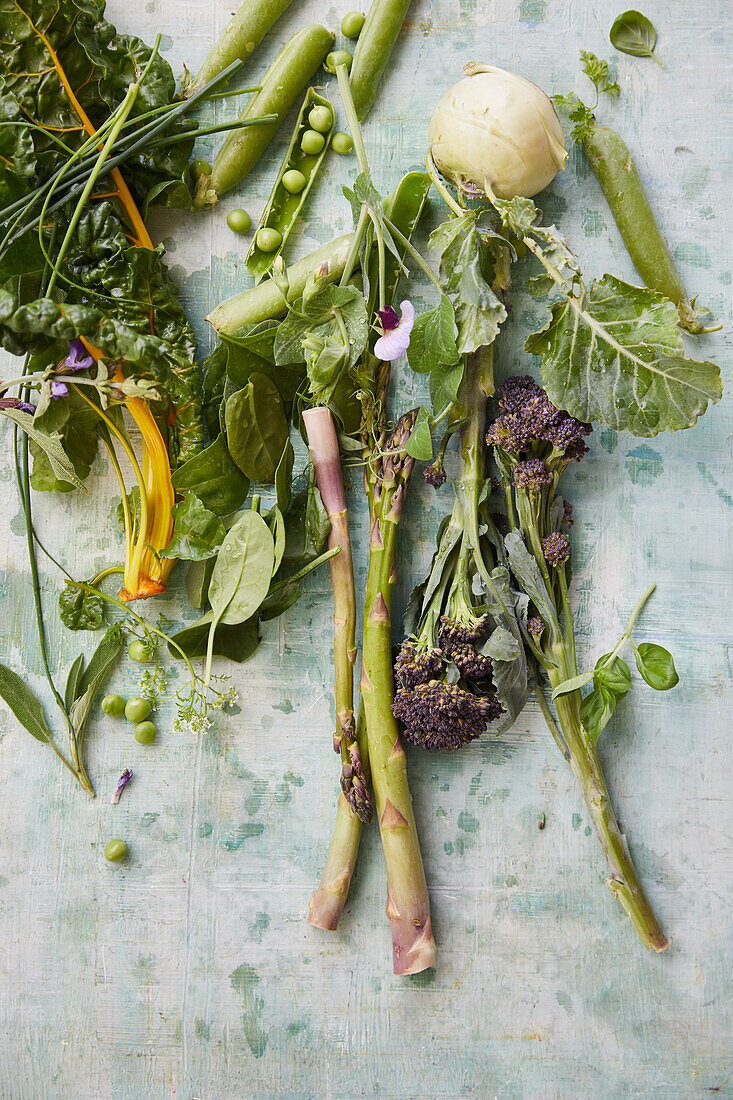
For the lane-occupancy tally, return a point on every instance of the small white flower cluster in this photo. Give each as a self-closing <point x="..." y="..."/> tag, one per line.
<point x="152" y="684"/>
<point x="192" y="723"/>
<point x="229" y="697"/>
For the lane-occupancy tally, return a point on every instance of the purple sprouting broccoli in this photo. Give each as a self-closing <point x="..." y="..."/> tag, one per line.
<point x="556" y="548"/>
<point x="439" y="715"/>
<point x="530" y="427"/>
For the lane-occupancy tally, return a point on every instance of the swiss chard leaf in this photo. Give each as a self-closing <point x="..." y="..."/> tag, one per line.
<point x="80" y="610"/>
<point x="616" y="355"/>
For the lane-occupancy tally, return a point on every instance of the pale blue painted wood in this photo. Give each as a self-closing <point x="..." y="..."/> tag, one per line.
<point x="190" y="971"/>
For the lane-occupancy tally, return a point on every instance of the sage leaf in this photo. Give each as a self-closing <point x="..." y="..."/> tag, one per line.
<point x="93" y="678"/>
<point x="61" y="465"/>
<point x="72" y="682"/>
<point x="527" y="572"/>
<point x="633" y="33"/>
<point x="656" y="666"/>
<point x="616" y="355"/>
<point x="197" y="532"/>
<point x="256" y="428"/>
<point x="243" y="570"/>
<point x="24" y="705"/>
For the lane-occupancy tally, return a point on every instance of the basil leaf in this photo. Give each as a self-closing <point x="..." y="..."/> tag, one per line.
<point x="243" y="570"/>
<point x="596" y="710"/>
<point x="573" y="684"/>
<point x="634" y="34"/>
<point x="197" y="532"/>
<point x="598" y="366"/>
<point x="256" y="428"/>
<point x="214" y="478"/>
<point x="24" y="704"/>
<point x="616" y="676"/>
<point x="80" y="610"/>
<point x="656" y="665"/>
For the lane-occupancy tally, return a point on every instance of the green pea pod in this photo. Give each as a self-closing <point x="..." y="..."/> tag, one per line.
<point x="265" y="302"/>
<point x="613" y="164"/>
<point x="294" y="66"/>
<point x="376" y="42"/>
<point x="239" y="39"/>
<point x="283" y="208"/>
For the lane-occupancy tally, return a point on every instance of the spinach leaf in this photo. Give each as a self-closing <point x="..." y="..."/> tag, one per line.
<point x="633" y="33"/>
<point x="283" y="478"/>
<point x="214" y="478"/>
<point x="80" y="610"/>
<point x="197" y="532"/>
<point x="306" y="526"/>
<point x="256" y="428"/>
<point x="243" y="570"/>
<point x="198" y="577"/>
<point x="238" y="643"/>
<point x="615" y="354"/>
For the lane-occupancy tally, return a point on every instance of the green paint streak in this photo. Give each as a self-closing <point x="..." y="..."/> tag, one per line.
<point x="707" y="476"/>
<point x="235" y="840"/>
<point x="475" y="784"/>
<point x="467" y="822"/>
<point x="693" y="254"/>
<point x="577" y="820"/>
<point x="587" y="831"/>
<point x="564" y="1001"/>
<point x="259" y="926"/>
<point x="644" y="465"/>
<point x="295" y="1028"/>
<point x="296" y="780"/>
<point x="244" y="981"/>
<point x="286" y="706"/>
<point x="593" y="223"/>
<point x="609" y="440"/>
<point x="426" y="977"/>
<point x="205" y="829"/>
<point x="511" y="880"/>
<point x="147" y="819"/>
<point x="203" y="1031"/>
<point x="445" y="787"/>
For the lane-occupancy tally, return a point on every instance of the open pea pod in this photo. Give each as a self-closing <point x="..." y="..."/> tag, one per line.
<point x="284" y="205"/>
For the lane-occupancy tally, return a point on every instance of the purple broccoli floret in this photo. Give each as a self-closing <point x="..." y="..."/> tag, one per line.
<point x="535" y="626"/>
<point x="435" y="474"/>
<point x="413" y="667"/>
<point x="556" y="548"/>
<point x="533" y="474"/>
<point x="529" y="417"/>
<point x="437" y="715"/>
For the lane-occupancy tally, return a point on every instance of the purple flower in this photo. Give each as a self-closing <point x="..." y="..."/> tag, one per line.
<point x="16" y="403"/>
<point x="78" y="357"/>
<point x="556" y="548"/>
<point x="395" y="338"/>
<point x="532" y="474"/>
<point x="121" y="784"/>
<point x="58" y="389"/>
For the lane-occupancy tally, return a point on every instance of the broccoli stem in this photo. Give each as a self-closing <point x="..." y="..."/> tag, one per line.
<point x="408" y="906"/>
<point x="329" y="897"/>
<point x="623" y="880"/>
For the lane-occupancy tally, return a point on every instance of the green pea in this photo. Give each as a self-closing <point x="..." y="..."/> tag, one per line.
<point x="113" y="705"/>
<point x="145" y="733"/>
<point x="341" y="143"/>
<point x="137" y="710"/>
<point x="116" y="850"/>
<point x="139" y="651"/>
<point x="338" y="57"/>
<point x="199" y="168"/>
<point x="239" y="221"/>
<point x="293" y="181"/>
<point x="268" y="240"/>
<point x="312" y="142"/>
<point x="352" y="23"/>
<point x="321" y="119"/>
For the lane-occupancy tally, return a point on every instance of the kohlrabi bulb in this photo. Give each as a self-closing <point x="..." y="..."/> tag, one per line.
<point x="499" y="129"/>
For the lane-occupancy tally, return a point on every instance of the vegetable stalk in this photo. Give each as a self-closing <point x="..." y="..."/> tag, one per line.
<point x="408" y="908"/>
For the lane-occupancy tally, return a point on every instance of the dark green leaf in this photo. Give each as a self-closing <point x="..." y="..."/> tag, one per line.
<point x="238" y="643"/>
<point x="197" y="532"/>
<point x="467" y="271"/>
<point x="633" y="33"/>
<point x="280" y="601"/>
<point x="283" y="478"/>
<point x="656" y="665"/>
<point x="198" y="577"/>
<point x="256" y="428"/>
<point x="573" y="684"/>
<point x="61" y="466"/>
<point x="525" y="569"/>
<point x="24" y="704"/>
<point x="596" y="69"/>
<point x="214" y="478"/>
<point x="80" y="610"/>
<point x="307" y="526"/>
<point x="445" y="382"/>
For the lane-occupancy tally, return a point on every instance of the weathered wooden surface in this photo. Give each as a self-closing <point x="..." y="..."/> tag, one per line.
<point x="190" y="971"/>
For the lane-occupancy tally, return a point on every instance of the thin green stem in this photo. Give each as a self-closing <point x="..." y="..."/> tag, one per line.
<point x="441" y="188"/>
<point x="382" y="259"/>
<point x="353" y="256"/>
<point x="551" y="724"/>
<point x="342" y="75"/>
<point x="569" y="631"/>
<point x="413" y="252"/>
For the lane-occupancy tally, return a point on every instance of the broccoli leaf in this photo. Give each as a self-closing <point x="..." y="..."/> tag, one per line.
<point x="615" y="354"/>
<point x="466" y="272"/>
